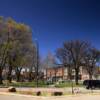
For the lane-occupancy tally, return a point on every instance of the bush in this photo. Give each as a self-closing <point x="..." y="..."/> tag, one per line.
<point x="38" y="93"/>
<point x="57" y="93"/>
<point x="12" y="89"/>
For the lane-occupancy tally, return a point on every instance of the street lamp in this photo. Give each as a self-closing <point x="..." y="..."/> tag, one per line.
<point x="37" y="61"/>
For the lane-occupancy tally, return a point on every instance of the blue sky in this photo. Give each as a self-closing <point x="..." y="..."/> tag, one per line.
<point x="55" y="21"/>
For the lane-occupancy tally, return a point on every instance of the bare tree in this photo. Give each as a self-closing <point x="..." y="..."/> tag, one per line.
<point x="75" y="50"/>
<point x="49" y="62"/>
<point x="91" y="58"/>
<point x="66" y="60"/>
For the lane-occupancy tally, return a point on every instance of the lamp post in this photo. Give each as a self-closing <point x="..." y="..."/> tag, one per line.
<point x="37" y="61"/>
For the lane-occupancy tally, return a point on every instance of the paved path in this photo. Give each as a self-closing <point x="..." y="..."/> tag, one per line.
<point x="66" y="90"/>
<point x="78" y="97"/>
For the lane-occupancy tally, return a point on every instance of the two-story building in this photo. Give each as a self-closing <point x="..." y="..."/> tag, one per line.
<point x="59" y="72"/>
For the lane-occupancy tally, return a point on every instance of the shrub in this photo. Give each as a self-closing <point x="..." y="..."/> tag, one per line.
<point x="12" y="89"/>
<point x="57" y="93"/>
<point x="38" y="93"/>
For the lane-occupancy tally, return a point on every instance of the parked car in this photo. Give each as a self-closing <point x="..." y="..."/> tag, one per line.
<point x="91" y="84"/>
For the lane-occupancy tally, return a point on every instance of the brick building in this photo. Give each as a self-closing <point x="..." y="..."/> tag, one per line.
<point x="61" y="73"/>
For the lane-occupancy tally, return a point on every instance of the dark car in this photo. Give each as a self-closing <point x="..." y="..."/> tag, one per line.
<point x="91" y="84"/>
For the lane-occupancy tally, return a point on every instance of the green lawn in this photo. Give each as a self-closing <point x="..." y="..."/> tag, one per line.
<point x="41" y="84"/>
<point x="68" y="84"/>
<point x="24" y="84"/>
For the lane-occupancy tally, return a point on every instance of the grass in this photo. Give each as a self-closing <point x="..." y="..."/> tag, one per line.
<point x="24" y="84"/>
<point x="68" y="84"/>
<point x="41" y="84"/>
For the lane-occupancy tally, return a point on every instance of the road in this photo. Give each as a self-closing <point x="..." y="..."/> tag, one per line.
<point x="78" y="97"/>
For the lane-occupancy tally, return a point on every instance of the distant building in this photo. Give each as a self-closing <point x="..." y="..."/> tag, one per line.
<point x="61" y="73"/>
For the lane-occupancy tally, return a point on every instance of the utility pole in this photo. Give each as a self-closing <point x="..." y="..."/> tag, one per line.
<point x="37" y="62"/>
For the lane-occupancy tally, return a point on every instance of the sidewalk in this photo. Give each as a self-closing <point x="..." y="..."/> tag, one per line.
<point x="48" y="90"/>
<point x="10" y="96"/>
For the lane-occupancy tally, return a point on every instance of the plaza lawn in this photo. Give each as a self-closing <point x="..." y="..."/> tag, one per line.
<point x="68" y="84"/>
<point x="41" y="84"/>
<point x="27" y="84"/>
<point x="24" y="84"/>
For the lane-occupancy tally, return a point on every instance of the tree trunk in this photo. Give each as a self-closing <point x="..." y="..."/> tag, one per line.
<point x="9" y="76"/>
<point x="90" y="76"/>
<point x="18" y="77"/>
<point x="1" y="76"/>
<point x="55" y="75"/>
<point x="30" y="76"/>
<point x="46" y="75"/>
<point x="69" y="73"/>
<point x="18" y="74"/>
<point x="76" y="76"/>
